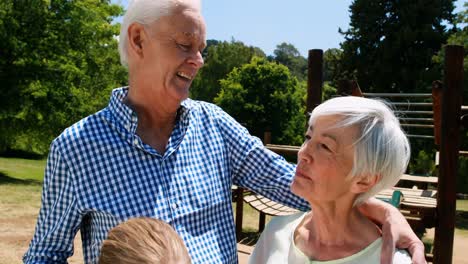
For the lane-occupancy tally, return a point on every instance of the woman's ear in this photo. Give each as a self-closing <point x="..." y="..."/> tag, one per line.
<point x="364" y="183"/>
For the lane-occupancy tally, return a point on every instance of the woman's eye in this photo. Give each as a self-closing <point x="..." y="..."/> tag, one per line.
<point x="325" y="147"/>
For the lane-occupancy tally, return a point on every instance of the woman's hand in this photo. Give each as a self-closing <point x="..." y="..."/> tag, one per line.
<point x="396" y="232"/>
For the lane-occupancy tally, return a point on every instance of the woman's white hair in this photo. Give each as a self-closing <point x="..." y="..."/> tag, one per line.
<point x="146" y="12"/>
<point x="381" y="148"/>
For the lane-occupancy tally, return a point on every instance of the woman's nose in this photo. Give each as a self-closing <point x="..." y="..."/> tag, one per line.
<point x="304" y="153"/>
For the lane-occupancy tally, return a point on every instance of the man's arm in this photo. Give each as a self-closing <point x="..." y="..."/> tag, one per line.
<point x="256" y="168"/>
<point x="396" y="232"/>
<point x="58" y="219"/>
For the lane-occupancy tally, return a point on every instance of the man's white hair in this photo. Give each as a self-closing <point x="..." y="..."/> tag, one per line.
<point x="381" y="147"/>
<point x="146" y="12"/>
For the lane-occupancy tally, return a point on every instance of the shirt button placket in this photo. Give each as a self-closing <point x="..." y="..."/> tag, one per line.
<point x="172" y="201"/>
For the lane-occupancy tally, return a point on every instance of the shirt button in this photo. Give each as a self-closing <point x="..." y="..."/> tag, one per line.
<point x="135" y="141"/>
<point x="174" y="206"/>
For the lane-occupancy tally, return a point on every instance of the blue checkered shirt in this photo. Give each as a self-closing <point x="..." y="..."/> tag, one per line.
<point x="100" y="173"/>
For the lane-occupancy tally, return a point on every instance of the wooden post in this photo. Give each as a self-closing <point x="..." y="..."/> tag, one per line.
<point x="314" y="80"/>
<point x="449" y="145"/>
<point x="437" y="109"/>
<point x="239" y="211"/>
<point x="262" y="216"/>
<point x="261" y="222"/>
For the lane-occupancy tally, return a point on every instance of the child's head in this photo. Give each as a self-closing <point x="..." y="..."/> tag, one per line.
<point x="143" y="240"/>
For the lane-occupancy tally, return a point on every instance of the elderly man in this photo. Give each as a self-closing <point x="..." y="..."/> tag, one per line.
<point x="153" y="152"/>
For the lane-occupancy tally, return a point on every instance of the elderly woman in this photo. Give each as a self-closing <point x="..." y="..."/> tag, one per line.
<point x="354" y="147"/>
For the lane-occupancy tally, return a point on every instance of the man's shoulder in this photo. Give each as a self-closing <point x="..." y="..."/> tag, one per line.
<point x="206" y="110"/>
<point x="195" y="105"/>
<point x="83" y="128"/>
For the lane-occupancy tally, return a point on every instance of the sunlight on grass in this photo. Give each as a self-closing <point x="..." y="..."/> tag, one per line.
<point x="23" y="168"/>
<point x="20" y="185"/>
<point x="461" y="232"/>
<point x="462" y="205"/>
<point x="250" y="218"/>
<point x="20" y="194"/>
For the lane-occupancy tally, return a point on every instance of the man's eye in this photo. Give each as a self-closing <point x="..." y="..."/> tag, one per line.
<point x="184" y="47"/>
<point x="306" y="137"/>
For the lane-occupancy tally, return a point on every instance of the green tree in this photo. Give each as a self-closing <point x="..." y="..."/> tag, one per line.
<point x="389" y="44"/>
<point x="289" y="56"/>
<point x="58" y="62"/>
<point x="264" y="96"/>
<point x="332" y="65"/>
<point x="460" y="37"/>
<point x="220" y="58"/>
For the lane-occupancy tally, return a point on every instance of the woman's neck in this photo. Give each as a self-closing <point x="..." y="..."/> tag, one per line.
<point x="331" y="231"/>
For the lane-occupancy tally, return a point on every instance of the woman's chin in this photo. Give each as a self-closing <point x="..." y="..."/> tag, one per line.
<point x="297" y="188"/>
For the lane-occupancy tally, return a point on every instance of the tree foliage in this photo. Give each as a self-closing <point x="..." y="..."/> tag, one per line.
<point x="332" y="65"/>
<point x="289" y="56"/>
<point x="220" y="58"/>
<point x="389" y="44"/>
<point x="264" y="96"/>
<point x="58" y="62"/>
<point x="460" y="37"/>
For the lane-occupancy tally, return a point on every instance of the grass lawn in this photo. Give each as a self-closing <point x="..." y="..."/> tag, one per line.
<point x="462" y="205"/>
<point x="20" y="199"/>
<point x="20" y="186"/>
<point x="20" y="182"/>
<point x="22" y="169"/>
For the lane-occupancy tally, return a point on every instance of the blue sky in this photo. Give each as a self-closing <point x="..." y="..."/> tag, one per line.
<point x="307" y="24"/>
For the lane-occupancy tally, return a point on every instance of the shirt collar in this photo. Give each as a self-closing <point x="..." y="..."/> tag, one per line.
<point x="127" y="118"/>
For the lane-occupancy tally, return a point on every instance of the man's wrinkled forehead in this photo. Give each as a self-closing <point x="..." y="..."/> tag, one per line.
<point x="187" y="24"/>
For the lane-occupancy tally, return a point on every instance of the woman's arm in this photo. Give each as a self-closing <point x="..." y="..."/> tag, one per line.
<point x="396" y="232"/>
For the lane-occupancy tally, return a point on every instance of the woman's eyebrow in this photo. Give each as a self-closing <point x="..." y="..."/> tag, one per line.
<point x="327" y="135"/>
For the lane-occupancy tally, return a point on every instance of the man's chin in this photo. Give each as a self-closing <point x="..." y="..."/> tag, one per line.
<point x="183" y="93"/>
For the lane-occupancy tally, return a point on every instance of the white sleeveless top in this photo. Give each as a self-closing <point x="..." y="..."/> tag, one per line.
<point x="276" y="245"/>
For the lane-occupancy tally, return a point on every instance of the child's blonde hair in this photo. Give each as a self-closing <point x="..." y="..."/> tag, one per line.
<point x="143" y="240"/>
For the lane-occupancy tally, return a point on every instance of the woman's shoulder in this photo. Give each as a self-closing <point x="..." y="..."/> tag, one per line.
<point x="282" y="226"/>
<point x="278" y="223"/>
<point x="273" y="245"/>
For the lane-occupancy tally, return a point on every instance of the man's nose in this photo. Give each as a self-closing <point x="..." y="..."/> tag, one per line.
<point x="197" y="60"/>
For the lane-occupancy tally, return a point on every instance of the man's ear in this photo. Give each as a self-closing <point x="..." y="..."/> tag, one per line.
<point x="364" y="183"/>
<point x="136" y="36"/>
